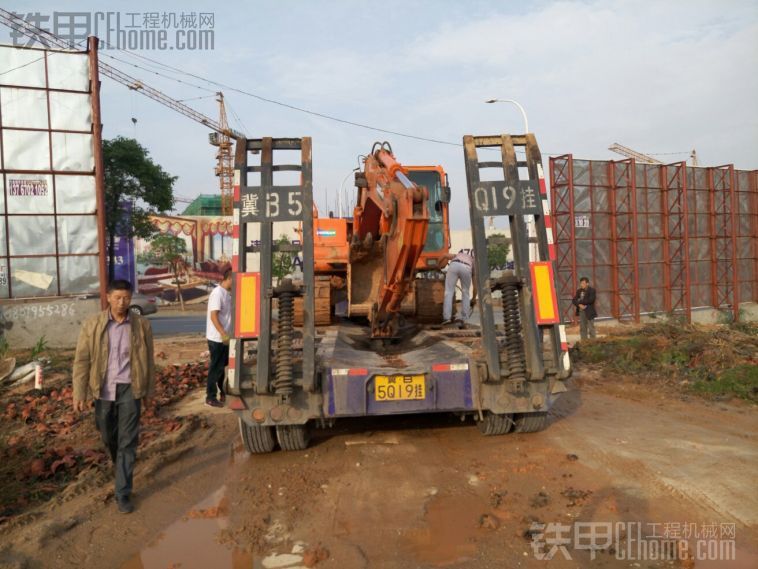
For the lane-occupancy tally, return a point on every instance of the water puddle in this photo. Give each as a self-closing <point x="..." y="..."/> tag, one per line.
<point x="191" y="541"/>
<point x="452" y="524"/>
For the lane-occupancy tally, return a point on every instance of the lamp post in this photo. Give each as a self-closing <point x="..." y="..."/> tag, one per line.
<point x="520" y="108"/>
<point x="530" y="224"/>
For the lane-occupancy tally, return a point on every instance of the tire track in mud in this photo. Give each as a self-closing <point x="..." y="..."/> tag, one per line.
<point x="662" y="436"/>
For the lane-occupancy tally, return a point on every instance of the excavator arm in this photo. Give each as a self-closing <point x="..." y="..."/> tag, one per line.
<point x="390" y="224"/>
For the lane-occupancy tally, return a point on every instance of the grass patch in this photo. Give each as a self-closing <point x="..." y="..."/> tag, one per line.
<point x="740" y="381"/>
<point x="710" y="361"/>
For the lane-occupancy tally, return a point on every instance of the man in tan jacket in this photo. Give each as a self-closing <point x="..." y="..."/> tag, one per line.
<point x="114" y="366"/>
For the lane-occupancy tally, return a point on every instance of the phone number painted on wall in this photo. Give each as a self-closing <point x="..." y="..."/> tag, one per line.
<point x="31" y="312"/>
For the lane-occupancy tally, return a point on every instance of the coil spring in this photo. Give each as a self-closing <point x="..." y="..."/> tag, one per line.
<point x="514" y="343"/>
<point x="283" y="384"/>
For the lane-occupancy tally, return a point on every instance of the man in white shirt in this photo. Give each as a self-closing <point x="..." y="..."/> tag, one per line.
<point x="217" y="330"/>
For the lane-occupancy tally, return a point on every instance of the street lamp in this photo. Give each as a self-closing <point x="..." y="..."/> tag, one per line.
<point x="520" y="108"/>
<point x="530" y="223"/>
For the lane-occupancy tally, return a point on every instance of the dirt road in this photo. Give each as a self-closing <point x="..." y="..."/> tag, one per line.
<point x="429" y="492"/>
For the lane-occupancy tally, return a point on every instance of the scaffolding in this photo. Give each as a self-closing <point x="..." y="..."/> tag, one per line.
<point x="655" y="238"/>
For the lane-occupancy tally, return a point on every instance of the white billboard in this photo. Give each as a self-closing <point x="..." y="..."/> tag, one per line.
<point x="49" y="240"/>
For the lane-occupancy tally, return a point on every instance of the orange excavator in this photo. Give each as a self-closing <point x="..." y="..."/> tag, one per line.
<point x="385" y="262"/>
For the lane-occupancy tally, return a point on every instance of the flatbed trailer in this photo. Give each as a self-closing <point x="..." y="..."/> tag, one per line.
<point x="284" y="380"/>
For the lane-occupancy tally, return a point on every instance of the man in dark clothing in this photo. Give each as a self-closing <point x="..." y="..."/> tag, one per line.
<point x="584" y="300"/>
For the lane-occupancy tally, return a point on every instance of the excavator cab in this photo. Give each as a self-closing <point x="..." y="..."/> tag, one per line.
<point x="437" y="246"/>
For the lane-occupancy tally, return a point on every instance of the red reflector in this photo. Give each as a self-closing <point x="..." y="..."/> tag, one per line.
<point x="358" y="371"/>
<point x="235" y="403"/>
<point x="441" y="367"/>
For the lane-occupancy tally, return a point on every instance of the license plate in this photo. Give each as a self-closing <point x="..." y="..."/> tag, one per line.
<point x="399" y="387"/>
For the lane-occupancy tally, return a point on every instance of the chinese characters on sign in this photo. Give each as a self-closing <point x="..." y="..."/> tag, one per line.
<point x="500" y="198"/>
<point x="582" y="221"/>
<point x="276" y="204"/>
<point x="127" y="30"/>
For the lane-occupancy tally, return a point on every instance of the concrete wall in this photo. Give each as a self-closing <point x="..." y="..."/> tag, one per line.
<point x="58" y="320"/>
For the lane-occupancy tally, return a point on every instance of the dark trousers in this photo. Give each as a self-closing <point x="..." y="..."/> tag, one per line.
<point x="586" y="325"/>
<point x="219" y="359"/>
<point x="118" y="423"/>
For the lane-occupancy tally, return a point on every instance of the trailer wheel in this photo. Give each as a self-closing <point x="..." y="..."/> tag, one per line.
<point x="530" y="422"/>
<point x="257" y="439"/>
<point x="293" y="437"/>
<point x="495" y="424"/>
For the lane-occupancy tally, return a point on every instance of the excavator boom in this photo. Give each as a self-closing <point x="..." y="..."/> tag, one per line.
<point x="390" y="225"/>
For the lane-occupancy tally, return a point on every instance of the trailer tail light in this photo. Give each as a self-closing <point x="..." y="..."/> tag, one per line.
<point x="450" y="367"/>
<point x="247" y="305"/>
<point x="543" y="290"/>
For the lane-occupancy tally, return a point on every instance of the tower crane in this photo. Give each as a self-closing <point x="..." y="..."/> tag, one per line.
<point x="629" y="153"/>
<point x="640" y="157"/>
<point x="221" y="136"/>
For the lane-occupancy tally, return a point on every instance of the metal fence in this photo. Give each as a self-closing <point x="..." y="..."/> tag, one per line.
<point x="655" y="238"/>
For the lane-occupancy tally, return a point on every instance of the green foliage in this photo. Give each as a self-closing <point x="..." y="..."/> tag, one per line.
<point x="497" y="250"/>
<point x="4" y="347"/>
<point x="709" y="361"/>
<point x="130" y="174"/>
<point x="39" y="347"/>
<point x="282" y="262"/>
<point x="168" y="251"/>
<point x="740" y="381"/>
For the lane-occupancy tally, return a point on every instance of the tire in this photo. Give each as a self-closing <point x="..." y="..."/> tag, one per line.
<point x="495" y="424"/>
<point x="257" y="440"/>
<point x="136" y="309"/>
<point x="293" y="437"/>
<point x="530" y="422"/>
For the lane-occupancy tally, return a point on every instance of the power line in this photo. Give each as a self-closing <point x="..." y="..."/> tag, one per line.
<point x="47" y="53"/>
<point x="160" y="74"/>
<point x="262" y="98"/>
<point x="236" y="117"/>
<point x="279" y="103"/>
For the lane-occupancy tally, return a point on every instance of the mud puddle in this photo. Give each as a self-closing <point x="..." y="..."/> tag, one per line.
<point x="450" y="535"/>
<point x="190" y="542"/>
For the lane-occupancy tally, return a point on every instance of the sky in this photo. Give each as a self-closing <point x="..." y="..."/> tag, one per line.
<point x="660" y="77"/>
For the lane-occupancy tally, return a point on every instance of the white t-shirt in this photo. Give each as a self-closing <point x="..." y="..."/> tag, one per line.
<point x="221" y="300"/>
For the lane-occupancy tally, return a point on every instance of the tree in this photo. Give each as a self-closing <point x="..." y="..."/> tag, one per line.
<point x="282" y="262"/>
<point x="497" y="251"/>
<point x="168" y="251"/>
<point x="131" y="175"/>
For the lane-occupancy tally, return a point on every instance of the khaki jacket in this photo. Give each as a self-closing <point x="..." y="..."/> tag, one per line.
<point x="91" y="359"/>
